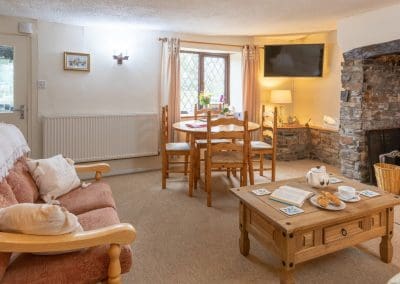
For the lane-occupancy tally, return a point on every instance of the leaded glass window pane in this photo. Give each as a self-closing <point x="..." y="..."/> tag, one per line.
<point x="214" y="78"/>
<point x="189" y="81"/>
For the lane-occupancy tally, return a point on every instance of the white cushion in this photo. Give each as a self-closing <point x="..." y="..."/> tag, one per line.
<point x="227" y="157"/>
<point x="257" y="145"/>
<point x="213" y="141"/>
<point x="54" y="176"/>
<point x="38" y="219"/>
<point x="260" y="145"/>
<point x="180" y="146"/>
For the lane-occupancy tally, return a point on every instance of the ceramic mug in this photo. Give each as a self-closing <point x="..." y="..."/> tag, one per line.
<point x="347" y="192"/>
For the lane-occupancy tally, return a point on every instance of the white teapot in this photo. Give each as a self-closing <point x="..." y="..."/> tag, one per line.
<point x="318" y="177"/>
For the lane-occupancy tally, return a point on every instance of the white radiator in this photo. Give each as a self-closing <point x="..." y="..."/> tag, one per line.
<point x="85" y="138"/>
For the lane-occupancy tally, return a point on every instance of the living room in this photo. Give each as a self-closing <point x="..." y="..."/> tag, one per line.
<point x="139" y="57"/>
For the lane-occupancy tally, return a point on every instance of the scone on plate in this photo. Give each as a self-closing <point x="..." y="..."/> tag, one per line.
<point x="323" y="201"/>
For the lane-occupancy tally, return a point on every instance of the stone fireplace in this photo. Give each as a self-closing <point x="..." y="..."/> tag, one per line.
<point x="370" y="101"/>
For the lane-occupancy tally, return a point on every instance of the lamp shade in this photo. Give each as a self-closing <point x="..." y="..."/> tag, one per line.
<point x="281" y="97"/>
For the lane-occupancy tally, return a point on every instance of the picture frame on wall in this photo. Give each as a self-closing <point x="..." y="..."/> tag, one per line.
<point x="76" y="61"/>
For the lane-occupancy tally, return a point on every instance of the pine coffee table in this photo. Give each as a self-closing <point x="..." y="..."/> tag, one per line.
<point x="316" y="232"/>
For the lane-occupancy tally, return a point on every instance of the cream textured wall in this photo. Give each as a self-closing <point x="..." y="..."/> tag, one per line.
<point x="108" y="87"/>
<point x="312" y="97"/>
<point x="369" y="28"/>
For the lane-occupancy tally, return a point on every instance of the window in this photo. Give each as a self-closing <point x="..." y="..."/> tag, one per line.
<point x="203" y="72"/>
<point x="6" y="78"/>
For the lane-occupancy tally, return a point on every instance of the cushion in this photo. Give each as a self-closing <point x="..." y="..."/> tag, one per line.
<point x="38" y="219"/>
<point x="54" y="176"/>
<point x="98" y="218"/>
<point x="96" y="195"/>
<point x="227" y="157"/>
<point x="87" y="266"/>
<point x="22" y="183"/>
<point x="7" y="198"/>
<point x="180" y="146"/>
<point x="257" y="145"/>
<point x="213" y="141"/>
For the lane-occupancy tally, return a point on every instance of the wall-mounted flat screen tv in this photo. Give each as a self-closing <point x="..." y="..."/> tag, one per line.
<point x="294" y="60"/>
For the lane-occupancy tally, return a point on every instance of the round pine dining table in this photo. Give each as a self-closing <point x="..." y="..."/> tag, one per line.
<point x="197" y="129"/>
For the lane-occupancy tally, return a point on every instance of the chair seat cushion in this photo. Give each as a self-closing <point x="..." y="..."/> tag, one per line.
<point x="96" y="195"/>
<point x="180" y="146"/>
<point x="227" y="157"/>
<point x="99" y="218"/>
<point x="258" y="145"/>
<point x="85" y="266"/>
<point x="213" y="141"/>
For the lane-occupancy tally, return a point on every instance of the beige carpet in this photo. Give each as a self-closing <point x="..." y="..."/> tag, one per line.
<point x="181" y="240"/>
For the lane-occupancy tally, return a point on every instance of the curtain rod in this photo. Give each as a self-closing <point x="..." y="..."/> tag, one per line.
<point x="163" y="39"/>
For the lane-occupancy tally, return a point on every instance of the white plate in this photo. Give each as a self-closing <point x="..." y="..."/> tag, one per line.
<point x="333" y="180"/>
<point x="261" y="191"/>
<point x="331" y="207"/>
<point x="354" y="199"/>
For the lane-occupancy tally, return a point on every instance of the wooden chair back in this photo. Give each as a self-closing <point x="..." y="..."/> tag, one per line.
<point x="214" y="108"/>
<point x="269" y="125"/>
<point x="228" y="128"/>
<point x="164" y="127"/>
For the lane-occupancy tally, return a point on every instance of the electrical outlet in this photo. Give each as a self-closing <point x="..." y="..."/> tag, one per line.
<point x="41" y="84"/>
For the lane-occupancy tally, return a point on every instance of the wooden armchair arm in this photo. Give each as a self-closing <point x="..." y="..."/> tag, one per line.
<point x="115" y="236"/>
<point x="98" y="168"/>
<point x="119" y="234"/>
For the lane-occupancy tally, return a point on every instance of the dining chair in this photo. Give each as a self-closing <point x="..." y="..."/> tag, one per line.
<point x="267" y="146"/>
<point x="226" y="155"/>
<point x="215" y="110"/>
<point x="170" y="149"/>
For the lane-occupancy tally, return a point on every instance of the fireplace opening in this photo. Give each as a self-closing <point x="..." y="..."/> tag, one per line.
<point x="381" y="142"/>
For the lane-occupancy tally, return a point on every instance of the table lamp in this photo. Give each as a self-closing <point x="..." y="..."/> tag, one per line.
<point x="281" y="97"/>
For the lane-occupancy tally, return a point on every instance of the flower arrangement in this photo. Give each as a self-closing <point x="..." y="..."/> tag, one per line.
<point x="205" y="99"/>
<point x="225" y="109"/>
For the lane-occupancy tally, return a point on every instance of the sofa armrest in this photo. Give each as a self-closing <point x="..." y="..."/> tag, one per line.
<point x="119" y="234"/>
<point x="98" y="168"/>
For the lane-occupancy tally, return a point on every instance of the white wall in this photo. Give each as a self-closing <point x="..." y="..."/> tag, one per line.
<point x="312" y="97"/>
<point x="108" y="87"/>
<point x="369" y="28"/>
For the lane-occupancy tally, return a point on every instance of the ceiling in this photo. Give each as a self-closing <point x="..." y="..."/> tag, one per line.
<point x="212" y="17"/>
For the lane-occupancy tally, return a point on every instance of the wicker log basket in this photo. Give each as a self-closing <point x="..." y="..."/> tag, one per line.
<point x="388" y="177"/>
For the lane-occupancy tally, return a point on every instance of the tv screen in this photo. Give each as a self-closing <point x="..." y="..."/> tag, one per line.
<point x="295" y="60"/>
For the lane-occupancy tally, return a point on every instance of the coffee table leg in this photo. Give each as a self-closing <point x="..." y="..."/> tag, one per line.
<point x="288" y="264"/>
<point x="244" y="242"/>
<point x="386" y="247"/>
<point x="287" y="276"/>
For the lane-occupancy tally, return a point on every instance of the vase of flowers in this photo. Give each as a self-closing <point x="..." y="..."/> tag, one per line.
<point x="225" y="109"/>
<point x="205" y="99"/>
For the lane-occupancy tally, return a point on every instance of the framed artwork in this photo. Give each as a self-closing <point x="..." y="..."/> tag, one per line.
<point x="75" y="61"/>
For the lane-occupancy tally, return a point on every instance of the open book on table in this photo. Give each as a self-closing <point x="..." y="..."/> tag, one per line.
<point x="291" y="195"/>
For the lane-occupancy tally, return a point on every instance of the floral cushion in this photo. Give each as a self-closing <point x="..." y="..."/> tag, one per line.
<point x="7" y="198"/>
<point x="22" y="183"/>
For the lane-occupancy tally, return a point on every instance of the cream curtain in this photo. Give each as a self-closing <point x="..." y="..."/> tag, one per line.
<point x="251" y="97"/>
<point x="170" y="81"/>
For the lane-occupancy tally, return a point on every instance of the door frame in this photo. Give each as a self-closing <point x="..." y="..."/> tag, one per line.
<point x="9" y="27"/>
